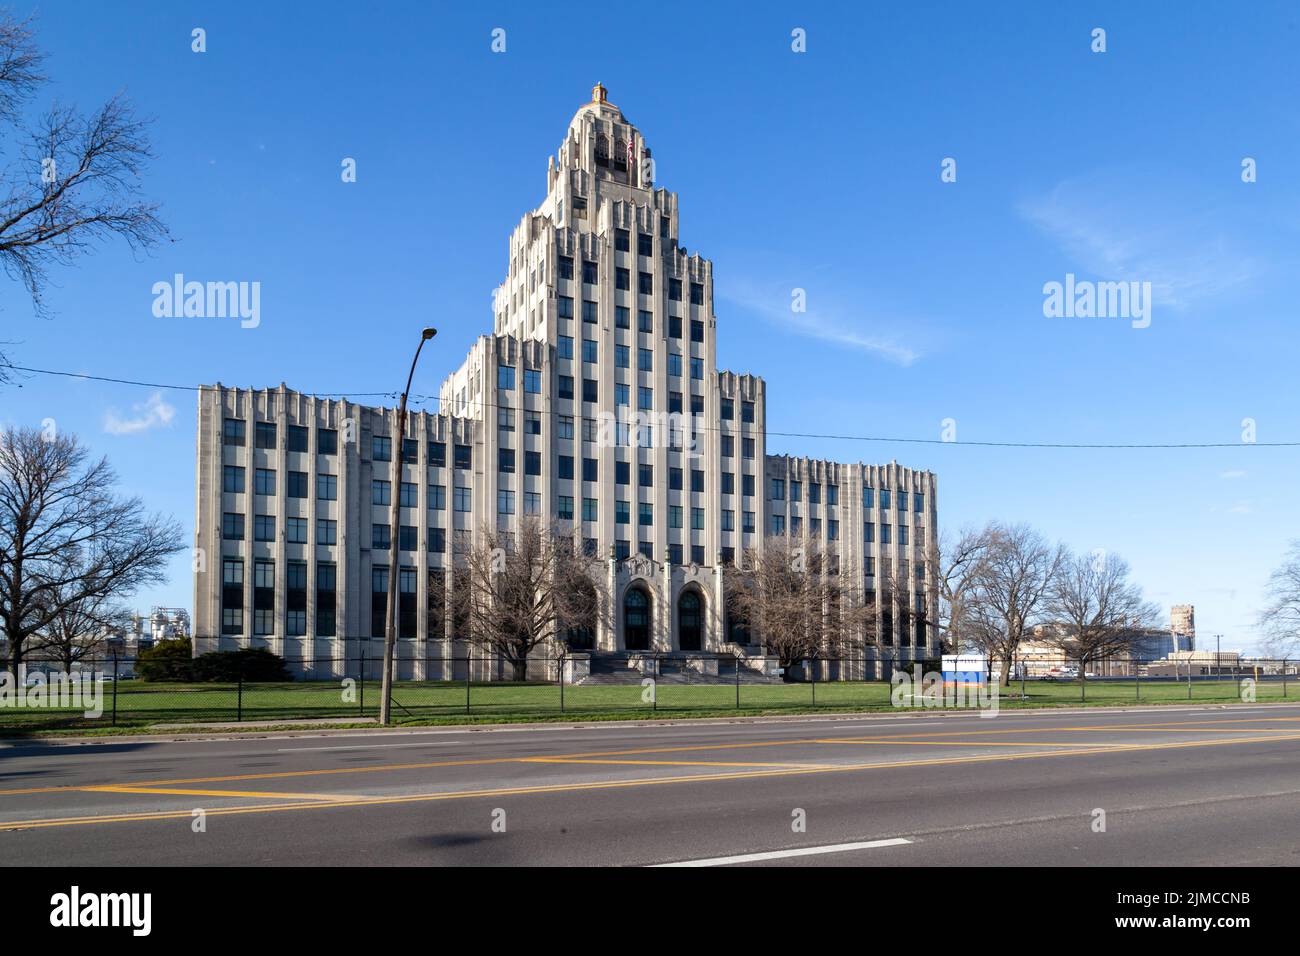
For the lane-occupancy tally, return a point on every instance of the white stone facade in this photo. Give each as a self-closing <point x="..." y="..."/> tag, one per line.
<point x="597" y="402"/>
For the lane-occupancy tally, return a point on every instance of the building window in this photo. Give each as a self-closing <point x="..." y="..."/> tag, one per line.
<point x="645" y="321"/>
<point x="622" y="317"/>
<point x="506" y="461"/>
<point x="622" y="512"/>
<point x="646" y="514"/>
<point x="232" y="432"/>
<point x="327" y="530"/>
<point x="564" y="305"/>
<point x="532" y="381"/>
<point x="297" y="438"/>
<point x="645" y="284"/>
<point x="463" y="457"/>
<point x="590" y="388"/>
<point x="437" y="454"/>
<point x="564" y="267"/>
<point x="327" y="441"/>
<point x="622" y="240"/>
<point x="506" y="377"/>
<point x="589" y="275"/>
<point x="265" y="435"/>
<point x="589" y="311"/>
<point x="264" y="481"/>
<point x="564" y="346"/>
<point x="505" y="502"/>
<point x="232" y="526"/>
<point x="697" y="330"/>
<point x="463" y="500"/>
<point x="409" y="494"/>
<point x="565" y="386"/>
<point x="381" y="448"/>
<point x="381" y="492"/>
<point x="674" y="516"/>
<point x="381" y="536"/>
<point x="297" y="484"/>
<point x="645" y="360"/>
<point x="327" y="487"/>
<point x="564" y="507"/>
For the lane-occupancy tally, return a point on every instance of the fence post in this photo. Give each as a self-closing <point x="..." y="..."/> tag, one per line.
<point x="812" y="666"/>
<point x="239" y="697"/>
<point x="1283" y="678"/>
<point x="1189" y="679"/>
<point x="1137" y="680"/>
<point x="561" y="683"/>
<point x="361" y="684"/>
<point x="116" y="671"/>
<point x="654" y="697"/>
<point x="737" y="657"/>
<point x="469" y="667"/>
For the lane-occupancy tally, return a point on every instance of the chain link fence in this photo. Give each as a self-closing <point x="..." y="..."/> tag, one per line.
<point x="125" y="692"/>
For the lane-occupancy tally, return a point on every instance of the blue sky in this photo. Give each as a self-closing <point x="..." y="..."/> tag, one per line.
<point x="817" y="171"/>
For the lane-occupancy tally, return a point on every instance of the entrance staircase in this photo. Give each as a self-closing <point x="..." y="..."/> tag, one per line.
<point x="614" y="668"/>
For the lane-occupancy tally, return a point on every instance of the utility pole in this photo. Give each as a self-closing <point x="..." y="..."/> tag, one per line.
<point x="394" y="532"/>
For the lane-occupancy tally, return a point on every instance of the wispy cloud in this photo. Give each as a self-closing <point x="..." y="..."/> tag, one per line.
<point x="823" y="320"/>
<point x="1130" y="226"/>
<point x="151" y="413"/>
<point x="1232" y="474"/>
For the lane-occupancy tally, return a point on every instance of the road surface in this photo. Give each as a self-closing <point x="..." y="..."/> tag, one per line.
<point x="1162" y="785"/>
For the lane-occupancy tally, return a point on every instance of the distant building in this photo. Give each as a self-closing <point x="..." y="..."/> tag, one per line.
<point x="1182" y="624"/>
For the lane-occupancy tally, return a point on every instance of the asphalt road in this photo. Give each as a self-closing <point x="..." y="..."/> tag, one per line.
<point x="1178" y="786"/>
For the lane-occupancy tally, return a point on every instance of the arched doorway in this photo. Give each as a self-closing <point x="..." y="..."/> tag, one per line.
<point x="690" y="621"/>
<point x="636" y="619"/>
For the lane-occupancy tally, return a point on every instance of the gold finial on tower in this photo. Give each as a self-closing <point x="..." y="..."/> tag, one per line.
<point x="598" y="93"/>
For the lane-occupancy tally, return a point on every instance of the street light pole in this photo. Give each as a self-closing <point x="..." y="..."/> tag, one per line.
<point x="394" y="533"/>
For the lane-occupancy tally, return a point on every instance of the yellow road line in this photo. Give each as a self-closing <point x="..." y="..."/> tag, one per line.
<point x="683" y="748"/>
<point x="671" y="763"/>
<point x="615" y="784"/>
<point x="273" y="794"/>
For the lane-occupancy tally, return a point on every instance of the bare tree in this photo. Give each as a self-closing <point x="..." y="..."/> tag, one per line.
<point x="792" y="597"/>
<point x="65" y="539"/>
<point x="74" y="179"/>
<point x="1097" y="612"/>
<point x="526" y="589"/>
<point x="79" y="630"/>
<point x="959" y="564"/>
<point x="1010" y="591"/>
<point x="1280" y="618"/>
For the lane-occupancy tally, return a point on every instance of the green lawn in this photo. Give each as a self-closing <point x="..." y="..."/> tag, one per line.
<point x="140" y="704"/>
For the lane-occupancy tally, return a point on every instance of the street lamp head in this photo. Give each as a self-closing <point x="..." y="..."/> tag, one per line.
<point x="428" y="334"/>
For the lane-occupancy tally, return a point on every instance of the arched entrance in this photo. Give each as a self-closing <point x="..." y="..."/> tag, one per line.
<point x="636" y="619"/>
<point x="690" y="621"/>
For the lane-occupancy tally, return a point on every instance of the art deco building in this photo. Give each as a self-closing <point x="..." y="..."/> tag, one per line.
<point x="596" y="402"/>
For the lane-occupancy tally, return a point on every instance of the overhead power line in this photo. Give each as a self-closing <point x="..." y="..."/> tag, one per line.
<point x="874" y="439"/>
